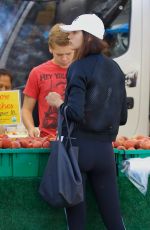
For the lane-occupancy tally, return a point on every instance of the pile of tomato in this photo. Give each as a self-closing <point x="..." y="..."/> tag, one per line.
<point x="25" y="142"/>
<point x="137" y="142"/>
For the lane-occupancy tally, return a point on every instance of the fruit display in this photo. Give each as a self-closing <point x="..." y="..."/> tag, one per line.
<point x="25" y="142"/>
<point x="137" y="142"/>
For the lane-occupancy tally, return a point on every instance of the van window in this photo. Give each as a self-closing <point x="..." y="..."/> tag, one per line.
<point x="25" y="26"/>
<point x="118" y="33"/>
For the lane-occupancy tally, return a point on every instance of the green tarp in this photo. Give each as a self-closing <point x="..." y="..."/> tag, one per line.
<point x="21" y="207"/>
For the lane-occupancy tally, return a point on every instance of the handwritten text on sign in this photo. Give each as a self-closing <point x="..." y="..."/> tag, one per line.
<point x="10" y="107"/>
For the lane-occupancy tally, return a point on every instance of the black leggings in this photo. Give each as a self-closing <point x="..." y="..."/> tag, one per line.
<point x="96" y="161"/>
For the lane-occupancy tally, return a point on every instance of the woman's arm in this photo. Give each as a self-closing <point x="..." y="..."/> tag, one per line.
<point x="75" y="99"/>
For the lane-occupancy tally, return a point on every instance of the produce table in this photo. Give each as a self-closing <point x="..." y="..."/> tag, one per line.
<point x="21" y="206"/>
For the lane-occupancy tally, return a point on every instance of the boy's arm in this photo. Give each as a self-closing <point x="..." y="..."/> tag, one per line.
<point x="27" y="117"/>
<point x="2" y="129"/>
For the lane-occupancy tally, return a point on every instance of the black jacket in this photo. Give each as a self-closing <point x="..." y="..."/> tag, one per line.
<point x="96" y="96"/>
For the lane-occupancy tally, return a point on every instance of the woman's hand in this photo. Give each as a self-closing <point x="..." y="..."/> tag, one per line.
<point x="54" y="99"/>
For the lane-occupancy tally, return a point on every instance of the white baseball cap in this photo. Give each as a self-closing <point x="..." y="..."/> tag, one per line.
<point x="86" y="22"/>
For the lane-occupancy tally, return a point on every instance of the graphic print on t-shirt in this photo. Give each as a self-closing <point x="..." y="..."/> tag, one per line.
<point x="57" y="84"/>
<point x="50" y="119"/>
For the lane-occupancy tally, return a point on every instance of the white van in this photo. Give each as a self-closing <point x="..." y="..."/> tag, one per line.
<point x="24" y="34"/>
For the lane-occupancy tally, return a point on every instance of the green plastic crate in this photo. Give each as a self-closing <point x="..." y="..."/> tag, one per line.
<point x="5" y="165"/>
<point x="121" y="155"/>
<point x="43" y="158"/>
<point x="23" y="162"/>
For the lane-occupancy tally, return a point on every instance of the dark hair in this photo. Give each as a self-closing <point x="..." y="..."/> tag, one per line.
<point x="91" y="45"/>
<point x="6" y="72"/>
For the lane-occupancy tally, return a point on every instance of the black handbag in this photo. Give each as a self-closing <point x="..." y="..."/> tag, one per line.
<point x="61" y="185"/>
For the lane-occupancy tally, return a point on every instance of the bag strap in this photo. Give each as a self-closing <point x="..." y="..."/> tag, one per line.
<point x="69" y="128"/>
<point x="59" y="128"/>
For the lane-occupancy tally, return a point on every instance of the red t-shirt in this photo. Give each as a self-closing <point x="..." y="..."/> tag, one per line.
<point x="45" y="78"/>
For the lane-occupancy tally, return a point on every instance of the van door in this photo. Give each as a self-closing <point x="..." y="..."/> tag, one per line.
<point x="134" y="63"/>
<point x="125" y="38"/>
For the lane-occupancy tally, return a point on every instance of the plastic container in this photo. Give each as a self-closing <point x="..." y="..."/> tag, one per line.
<point x="23" y="162"/>
<point x="121" y="155"/>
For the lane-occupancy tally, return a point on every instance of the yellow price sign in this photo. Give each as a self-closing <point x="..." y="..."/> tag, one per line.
<point x="10" y="107"/>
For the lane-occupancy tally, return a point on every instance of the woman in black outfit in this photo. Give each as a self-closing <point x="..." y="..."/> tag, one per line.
<point x="96" y="103"/>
